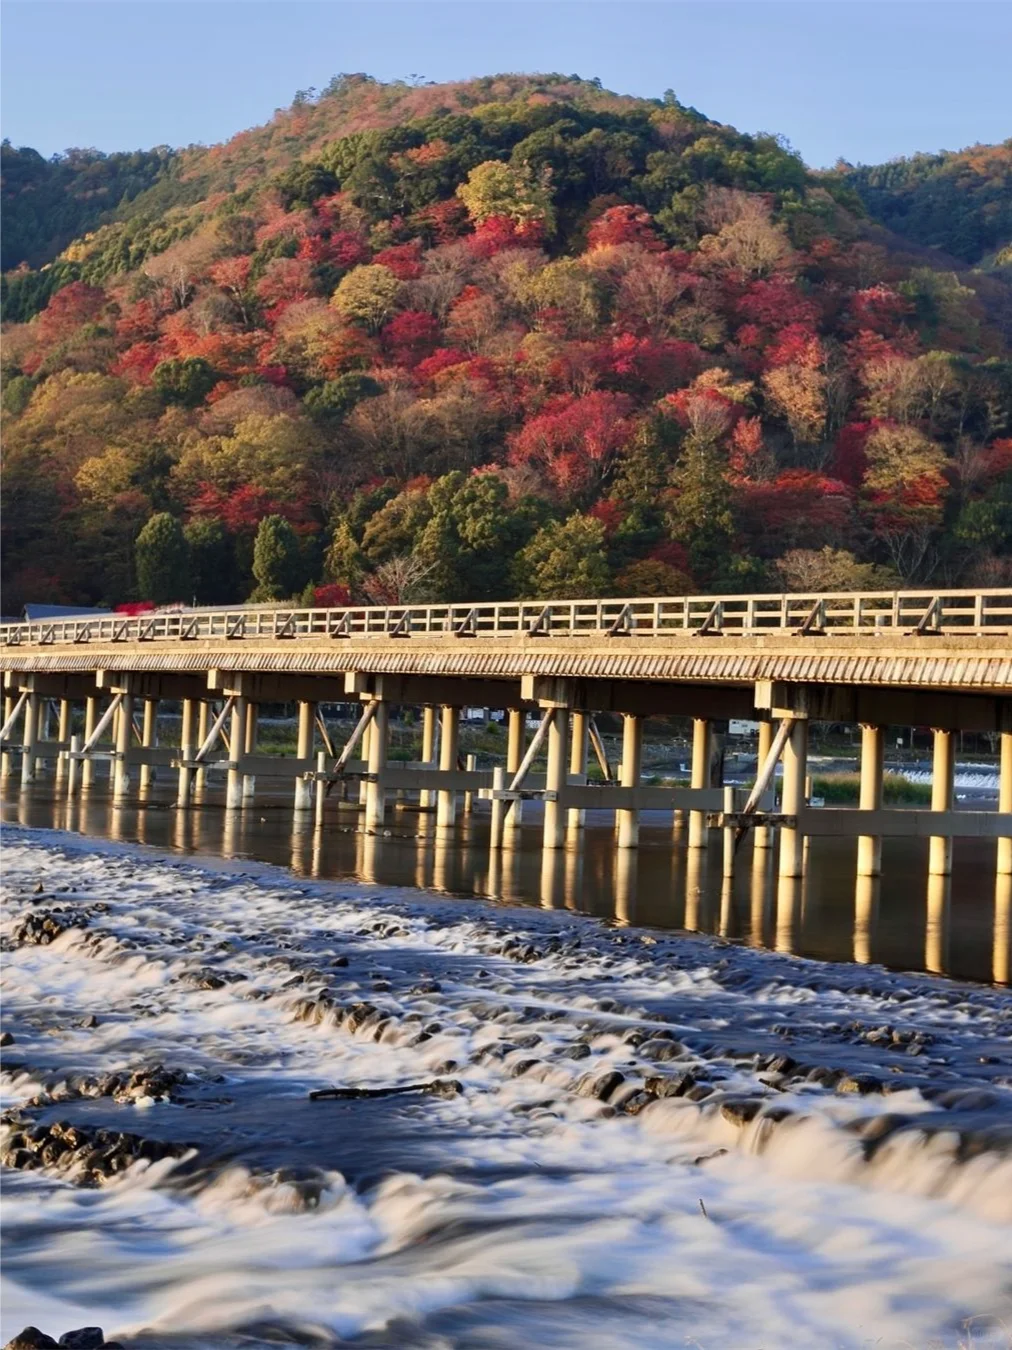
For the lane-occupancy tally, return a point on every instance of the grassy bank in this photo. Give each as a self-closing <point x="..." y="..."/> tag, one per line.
<point x="842" y="789"/>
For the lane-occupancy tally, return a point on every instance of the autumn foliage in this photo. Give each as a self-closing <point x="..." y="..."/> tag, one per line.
<point x="547" y="342"/>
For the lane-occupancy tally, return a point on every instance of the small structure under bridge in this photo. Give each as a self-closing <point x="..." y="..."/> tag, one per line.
<point x="918" y="658"/>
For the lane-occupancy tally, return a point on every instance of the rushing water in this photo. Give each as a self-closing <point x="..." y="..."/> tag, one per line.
<point x="634" y="1138"/>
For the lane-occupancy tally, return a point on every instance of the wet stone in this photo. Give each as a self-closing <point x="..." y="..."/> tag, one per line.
<point x="861" y="1083"/>
<point x="740" y="1112"/>
<point x="84" y="1338"/>
<point x="31" y="1338"/>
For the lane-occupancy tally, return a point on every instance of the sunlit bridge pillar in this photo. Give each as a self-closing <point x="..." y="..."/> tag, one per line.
<point x="866" y="897"/>
<point x="449" y="723"/>
<point x="426" y="797"/>
<point x="29" y="739"/>
<point x="121" y="765"/>
<point x="869" y="846"/>
<point x="936" y="934"/>
<point x="249" y="782"/>
<point x="628" y="819"/>
<point x="943" y="776"/>
<point x="762" y="835"/>
<point x="5" y="758"/>
<point x="236" y="751"/>
<point x="203" y="726"/>
<point x="514" y="756"/>
<point x="792" y="841"/>
<point x="702" y="749"/>
<point x="1005" y="802"/>
<point x="375" y="797"/>
<point x="63" y="736"/>
<point x="554" y="833"/>
<point x="789" y="904"/>
<point x="627" y="862"/>
<point x="90" y="723"/>
<point x="187" y="750"/>
<point x="304" y="753"/>
<point x="149" y="737"/>
<point x="578" y="763"/>
<point x="1002" y="953"/>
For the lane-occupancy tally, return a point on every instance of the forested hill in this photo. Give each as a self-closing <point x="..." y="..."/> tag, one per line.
<point x="959" y="202"/>
<point x="512" y="336"/>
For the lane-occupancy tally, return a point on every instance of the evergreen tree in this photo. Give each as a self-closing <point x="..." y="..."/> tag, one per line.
<point x="212" y="561"/>
<point x="277" y="560"/>
<point x="162" y="558"/>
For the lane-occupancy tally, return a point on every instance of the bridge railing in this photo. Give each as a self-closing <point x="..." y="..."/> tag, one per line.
<point x="964" y="612"/>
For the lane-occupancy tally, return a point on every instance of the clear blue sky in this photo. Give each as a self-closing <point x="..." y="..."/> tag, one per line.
<point x="864" y="80"/>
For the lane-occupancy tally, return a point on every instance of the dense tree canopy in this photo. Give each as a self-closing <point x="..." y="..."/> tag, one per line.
<point x="514" y="336"/>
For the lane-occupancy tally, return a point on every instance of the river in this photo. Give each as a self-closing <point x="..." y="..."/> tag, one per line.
<point x="547" y="1115"/>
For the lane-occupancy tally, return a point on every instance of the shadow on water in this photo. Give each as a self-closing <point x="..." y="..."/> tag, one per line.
<point x="959" y="926"/>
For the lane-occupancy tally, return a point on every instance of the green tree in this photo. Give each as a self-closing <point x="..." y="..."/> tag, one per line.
<point x="564" y="561"/>
<point x="367" y="295"/>
<point x="700" y="515"/>
<point x="212" y="561"/>
<point x="185" y="380"/>
<point x="162" y="558"/>
<point x="277" y="560"/>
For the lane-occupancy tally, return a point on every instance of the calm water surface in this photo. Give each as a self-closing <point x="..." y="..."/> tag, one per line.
<point x="959" y="926"/>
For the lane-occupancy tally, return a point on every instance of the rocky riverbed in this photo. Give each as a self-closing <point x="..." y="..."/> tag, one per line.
<point x="240" y="1108"/>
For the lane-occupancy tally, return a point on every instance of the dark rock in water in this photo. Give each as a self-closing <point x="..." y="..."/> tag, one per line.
<point x="31" y="1338"/>
<point x="89" y="1023"/>
<point x="862" y="1083"/>
<point x="445" y="1087"/>
<point x="84" y="1338"/>
<point x="6" y="1039"/>
<point x="739" y="1111"/>
<point x="633" y="1105"/>
<point x="578" y="1051"/>
<point x="676" y="1086"/>
<point x="699" y="1093"/>
<point x="600" y="1087"/>
<point x="661" y="1049"/>
<point x="824" y="1076"/>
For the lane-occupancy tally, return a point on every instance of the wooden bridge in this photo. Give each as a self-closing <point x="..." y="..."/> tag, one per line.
<point x="941" y="659"/>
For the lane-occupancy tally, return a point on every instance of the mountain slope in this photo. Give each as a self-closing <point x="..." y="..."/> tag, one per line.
<point x="513" y="335"/>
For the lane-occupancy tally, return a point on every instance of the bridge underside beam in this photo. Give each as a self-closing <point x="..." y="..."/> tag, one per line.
<point x="641" y="698"/>
<point x="151" y="684"/>
<point x="435" y="690"/>
<point x="884" y="707"/>
<point x="71" y="686"/>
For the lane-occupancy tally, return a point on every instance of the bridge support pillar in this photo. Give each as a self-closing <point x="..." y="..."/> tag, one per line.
<point x="63" y="736"/>
<point x="124" y="730"/>
<point x="5" y="759"/>
<point x="236" y="748"/>
<point x="29" y="738"/>
<point x="375" y="795"/>
<point x="187" y="750"/>
<point x="1005" y="802"/>
<point x="149" y="738"/>
<point x="249" y="782"/>
<point x="869" y="847"/>
<point x="702" y="751"/>
<point x="426" y="797"/>
<point x="628" y="821"/>
<point x="943" y="773"/>
<point x="578" y="763"/>
<point x="554" y="831"/>
<point x="203" y="727"/>
<point x="90" y="723"/>
<point x="762" y="835"/>
<point x="792" y="841"/>
<point x="514" y="757"/>
<point x="449" y="720"/>
<point x="304" y="750"/>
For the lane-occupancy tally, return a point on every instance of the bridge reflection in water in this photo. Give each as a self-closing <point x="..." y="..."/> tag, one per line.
<point x="919" y="921"/>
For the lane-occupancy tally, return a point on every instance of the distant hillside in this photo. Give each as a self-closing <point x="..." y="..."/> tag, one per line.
<point x="960" y="202"/>
<point x="517" y="335"/>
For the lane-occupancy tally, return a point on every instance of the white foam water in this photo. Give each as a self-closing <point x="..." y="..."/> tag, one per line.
<point x="519" y="1211"/>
